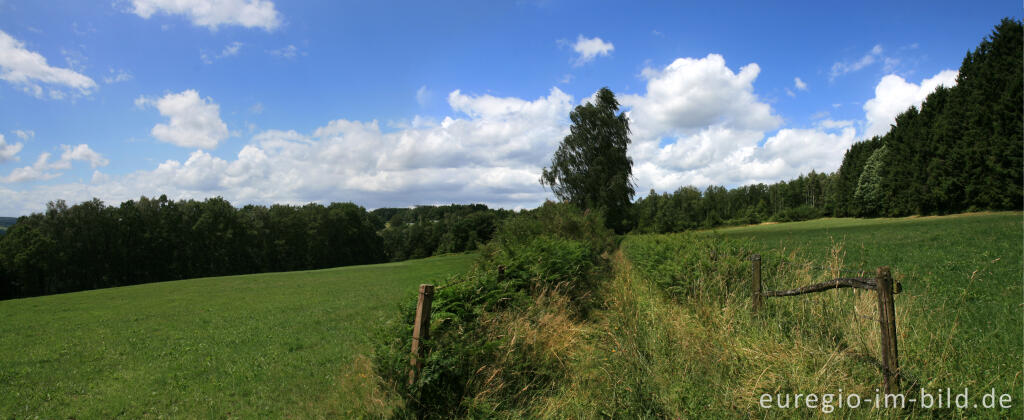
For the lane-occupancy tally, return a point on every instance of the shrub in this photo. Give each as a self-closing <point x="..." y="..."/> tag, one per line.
<point x="796" y="214"/>
<point x="490" y="327"/>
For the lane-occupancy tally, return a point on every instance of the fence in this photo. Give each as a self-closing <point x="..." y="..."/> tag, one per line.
<point x="882" y="284"/>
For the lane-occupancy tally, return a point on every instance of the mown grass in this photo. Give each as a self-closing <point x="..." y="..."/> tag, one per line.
<point x="676" y="337"/>
<point x="272" y="345"/>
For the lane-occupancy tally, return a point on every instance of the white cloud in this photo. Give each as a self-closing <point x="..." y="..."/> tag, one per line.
<point x="691" y="94"/>
<point x="699" y="123"/>
<point x="287" y="52"/>
<point x="829" y="123"/>
<point x="117" y="76"/>
<point x="590" y="48"/>
<point x="28" y="69"/>
<point x="840" y="68"/>
<point x="800" y="85"/>
<point x="84" y="153"/>
<point x="23" y="134"/>
<point x="894" y="95"/>
<point x="422" y="95"/>
<point x="8" y="152"/>
<point x="256" y="108"/>
<point x="490" y="150"/>
<point x="194" y="122"/>
<point x="41" y="169"/>
<point x="213" y="13"/>
<point x="231" y="49"/>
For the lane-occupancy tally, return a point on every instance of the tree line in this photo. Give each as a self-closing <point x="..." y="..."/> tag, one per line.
<point x="91" y="245"/>
<point x="423" y="231"/>
<point x="806" y="197"/>
<point x="960" y="151"/>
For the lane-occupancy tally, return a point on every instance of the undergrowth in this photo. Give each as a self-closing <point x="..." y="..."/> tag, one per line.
<point x="496" y="332"/>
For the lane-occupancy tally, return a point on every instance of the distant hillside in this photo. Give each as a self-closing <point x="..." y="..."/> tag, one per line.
<point x="6" y="222"/>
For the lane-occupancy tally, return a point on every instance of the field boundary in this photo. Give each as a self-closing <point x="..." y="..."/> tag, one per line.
<point x="881" y="283"/>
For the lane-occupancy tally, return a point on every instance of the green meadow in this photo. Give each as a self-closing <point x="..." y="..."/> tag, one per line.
<point x="275" y="345"/>
<point x="671" y="334"/>
<point x="962" y="282"/>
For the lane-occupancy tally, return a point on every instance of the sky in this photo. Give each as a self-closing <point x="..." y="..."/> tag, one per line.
<point x="393" y="104"/>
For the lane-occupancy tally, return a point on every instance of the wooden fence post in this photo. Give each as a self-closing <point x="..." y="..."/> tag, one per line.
<point x="887" y="319"/>
<point x="420" y="329"/>
<point x="755" y="283"/>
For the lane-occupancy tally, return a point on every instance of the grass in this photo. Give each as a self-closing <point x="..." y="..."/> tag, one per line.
<point x="256" y="346"/>
<point x="963" y="273"/>
<point x="661" y="348"/>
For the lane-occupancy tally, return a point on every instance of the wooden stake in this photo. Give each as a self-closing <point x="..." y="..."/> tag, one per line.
<point x="887" y="320"/>
<point x="420" y="329"/>
<point x="755" y="283"/>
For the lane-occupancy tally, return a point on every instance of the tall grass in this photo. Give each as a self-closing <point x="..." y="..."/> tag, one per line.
<point x="683" y="309"/>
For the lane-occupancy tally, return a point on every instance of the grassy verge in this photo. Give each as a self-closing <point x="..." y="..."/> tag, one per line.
<point x="273" y="345"/>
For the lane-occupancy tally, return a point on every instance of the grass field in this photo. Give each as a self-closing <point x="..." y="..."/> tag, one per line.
<point x="296" y="344"/>
<point x="963" y="274"/>
<point x="696" y="351"/>
<point x="255" y="346"/>
<point x="701" y="353"/>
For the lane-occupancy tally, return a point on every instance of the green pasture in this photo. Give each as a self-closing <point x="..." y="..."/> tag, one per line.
<point x="272" y="345"/>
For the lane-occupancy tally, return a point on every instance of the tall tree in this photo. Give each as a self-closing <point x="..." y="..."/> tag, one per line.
<point x="590" y="169"/>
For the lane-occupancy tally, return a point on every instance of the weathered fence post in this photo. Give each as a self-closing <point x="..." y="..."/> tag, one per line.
<point x="755" y="283"/>
<point x="887" y="319"/>
<point x="420" y="329"/>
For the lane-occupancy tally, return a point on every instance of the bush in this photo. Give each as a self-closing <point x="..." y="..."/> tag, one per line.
<point x="797" y="214"/>
<point x="490" y="326"/>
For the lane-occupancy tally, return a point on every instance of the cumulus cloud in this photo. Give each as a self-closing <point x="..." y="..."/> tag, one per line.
<point x="491" y="149"/>
<point x="692" y="94"/>
<point x="29" y="71"/>
<point x="213" y="13"/>
<point x="81" y="152"/>
<point x="43" y="167"/>
<point x="894" y="95"/>
<point x="590" y="48"/>
<point x="700" y="123"/>
<point x="194" y="122"/>
<point x="8" y="152"/>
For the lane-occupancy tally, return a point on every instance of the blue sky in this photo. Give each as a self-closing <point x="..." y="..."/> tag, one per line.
<point x="391" y="104"/>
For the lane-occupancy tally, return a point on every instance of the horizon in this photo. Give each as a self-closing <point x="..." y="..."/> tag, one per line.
<point x="264" y="102"/>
